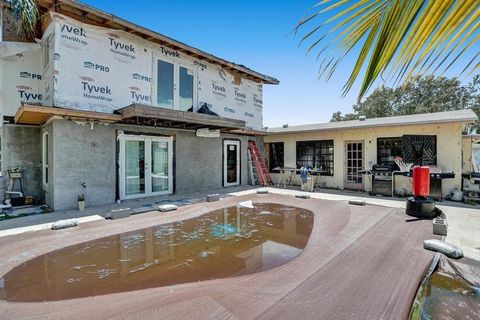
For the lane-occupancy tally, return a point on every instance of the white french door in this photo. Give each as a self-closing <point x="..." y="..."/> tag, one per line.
<point x="231" y="163"/>
<point x="145" y="166"/>
<point x="174" y="85"/>
<point x="354" y="165"/>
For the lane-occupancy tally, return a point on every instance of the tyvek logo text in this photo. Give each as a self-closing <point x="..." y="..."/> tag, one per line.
<point x="138" y="97"/>
<point x="28" y="97"/>
<point x="121" y="48"/>
<point x="73" y="34"/>
<point x="95" y="92"/>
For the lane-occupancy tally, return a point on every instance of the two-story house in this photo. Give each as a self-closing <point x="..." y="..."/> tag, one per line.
<point x="100" y="106"/>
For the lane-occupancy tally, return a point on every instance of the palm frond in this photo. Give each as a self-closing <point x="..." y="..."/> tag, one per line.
<point x="395" y="39"/>
<point x="26" y="12"/>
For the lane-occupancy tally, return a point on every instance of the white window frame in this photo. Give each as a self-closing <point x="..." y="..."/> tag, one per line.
<point x="176" y="80"/>
<point x="45" y="164"/>
<point x="148" y="142"/>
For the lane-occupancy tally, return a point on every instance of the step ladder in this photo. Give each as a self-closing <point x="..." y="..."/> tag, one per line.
<point x="258" y="163"/>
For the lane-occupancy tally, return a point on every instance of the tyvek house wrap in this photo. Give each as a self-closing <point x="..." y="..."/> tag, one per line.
<point x="22" y="76"/>
<point x="100" y="69"/>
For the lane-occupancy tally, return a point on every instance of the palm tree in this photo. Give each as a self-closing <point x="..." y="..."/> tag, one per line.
<point x="392" y="39"/>
<point x="26" y="12"/>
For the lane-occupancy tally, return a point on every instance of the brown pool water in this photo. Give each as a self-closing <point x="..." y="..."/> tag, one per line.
<point x="223" y="243"/>
<point x="451" y="292"/>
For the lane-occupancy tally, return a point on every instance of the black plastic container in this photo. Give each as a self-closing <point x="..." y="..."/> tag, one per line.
<point x="421" y="207"/>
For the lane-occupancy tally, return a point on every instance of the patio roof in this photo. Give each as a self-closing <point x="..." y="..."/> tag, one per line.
<point x="137" y="114"/>
<point x="160" y="117"/>
<point x="38" y="115"/>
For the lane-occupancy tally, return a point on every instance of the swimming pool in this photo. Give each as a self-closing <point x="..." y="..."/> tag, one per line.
<point x="222" y="243"/>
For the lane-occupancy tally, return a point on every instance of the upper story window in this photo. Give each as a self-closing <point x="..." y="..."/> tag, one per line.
<point x="316" y="154"/>
<point x="174" y="85"/>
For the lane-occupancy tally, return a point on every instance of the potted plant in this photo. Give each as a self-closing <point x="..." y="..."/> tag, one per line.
<point x="81" y="202"/>
<point x="81" y="197"/>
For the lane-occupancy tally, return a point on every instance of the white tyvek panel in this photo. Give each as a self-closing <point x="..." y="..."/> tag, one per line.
<point x="98" y="69"/>
<point x="101" y="70"/>
<point x="22" y="79"/>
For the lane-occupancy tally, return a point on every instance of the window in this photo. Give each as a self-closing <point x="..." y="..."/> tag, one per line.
<point x="419" y="149"/>
<point x="388" y="149"/>
<point x="275" y="155"/>
<point x="45" y="158"/>
<point x="174" y="85"/>
<point x="185" y="101"/>
<point x="165" y="84"/>
<point x="316" y="154"/>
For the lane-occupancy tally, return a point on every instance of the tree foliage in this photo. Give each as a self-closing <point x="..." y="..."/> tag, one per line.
<point x="392" y="39"/>
<point x="420" y="95"/>
<point x="27" y="14"/>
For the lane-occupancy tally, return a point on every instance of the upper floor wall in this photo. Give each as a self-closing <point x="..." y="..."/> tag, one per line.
<point x="81" y="66"/>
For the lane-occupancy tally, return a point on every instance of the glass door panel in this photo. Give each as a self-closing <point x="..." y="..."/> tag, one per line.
<point x="159" y="166"/>
<point x="134" y="167"/>
<point x="354" y="167"/>
<point x="165" y="84"/>
<point x="231" y="165"/>
<point x="185" y="101"/>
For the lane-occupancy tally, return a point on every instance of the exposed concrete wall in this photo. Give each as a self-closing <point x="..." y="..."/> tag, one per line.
<point x="81" y="154"/>
<point x="449" y="150"/>
<point x="21" y="147"/>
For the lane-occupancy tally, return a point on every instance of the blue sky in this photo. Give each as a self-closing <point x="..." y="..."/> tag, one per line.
<point x="257" y="34"/>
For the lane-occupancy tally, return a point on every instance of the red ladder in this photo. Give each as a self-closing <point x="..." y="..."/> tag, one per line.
<point x="263" y="175"/>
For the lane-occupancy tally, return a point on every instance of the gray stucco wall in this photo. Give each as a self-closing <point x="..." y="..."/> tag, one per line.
<point x="21" y="147"/>
<point x="81" y="154"/>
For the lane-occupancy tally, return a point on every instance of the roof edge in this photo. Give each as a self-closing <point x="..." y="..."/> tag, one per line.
<point x="167" y="40"/>
<point x="361" y="125"/>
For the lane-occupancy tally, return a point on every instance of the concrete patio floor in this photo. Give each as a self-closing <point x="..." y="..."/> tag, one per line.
<point x="361" y="262"/>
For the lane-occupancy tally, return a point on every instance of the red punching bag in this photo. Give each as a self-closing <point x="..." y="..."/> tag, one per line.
<point x="421" y="181"/>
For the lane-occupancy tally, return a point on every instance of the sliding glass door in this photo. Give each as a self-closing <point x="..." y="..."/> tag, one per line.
<point x="174" y="85"/>
<point x="145" y="166"/>
<point x="165" y="84"/>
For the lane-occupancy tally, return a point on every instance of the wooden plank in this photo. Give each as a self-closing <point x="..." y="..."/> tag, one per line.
<point x="29" y="114"/>
<point x="143" y="111"/>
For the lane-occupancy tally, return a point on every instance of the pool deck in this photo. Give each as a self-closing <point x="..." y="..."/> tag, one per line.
<point x="361" y="262"/>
